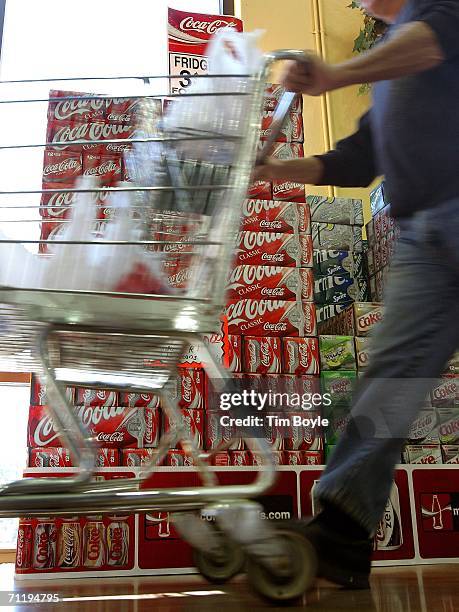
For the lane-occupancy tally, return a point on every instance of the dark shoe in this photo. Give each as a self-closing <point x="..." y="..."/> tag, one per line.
<point x="342" y="560"/>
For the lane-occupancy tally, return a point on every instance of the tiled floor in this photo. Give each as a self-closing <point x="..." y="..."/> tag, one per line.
<point x="425" y="588"/>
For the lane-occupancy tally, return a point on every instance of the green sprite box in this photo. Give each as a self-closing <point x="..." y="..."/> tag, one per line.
<point x="339" y="385"/>
<point x="337" y="353"/>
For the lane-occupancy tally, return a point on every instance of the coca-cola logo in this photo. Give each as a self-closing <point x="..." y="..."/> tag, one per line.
<point x="187" y="386"/>
<point x="449" y="428"/>
<point x="67" y="165"/>
<point x="252" y="240"/>
<point x="94" y="544"/>
<point x="45" y="538"/>
<point x="149" y="435"/>
<point x="180" y="277"/>
<point x="368" y="320"/>
<point x="189" y="24"/>
<point x="287" y="187"/>
<point x="250" y="275"/>
<point x="104" y="168"/>
<point x="248" y="310"/>
<point x="304" y="354"/>
<point x="70" y="546"/>
<point x="251" y="208"/>
<point x="110" y="438"/>
<point x="445" y="391"/>
<point x="90" y="131"/>
<point x="253" y="355"/>
<point x="265" y="353"/>
<point x="119" y="117"/>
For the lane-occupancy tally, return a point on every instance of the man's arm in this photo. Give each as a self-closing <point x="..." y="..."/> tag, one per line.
<point x="350" y="164"/>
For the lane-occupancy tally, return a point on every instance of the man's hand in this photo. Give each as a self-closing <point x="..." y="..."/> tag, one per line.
<point x="312" y="77"/>
<point x="308" y="171"/>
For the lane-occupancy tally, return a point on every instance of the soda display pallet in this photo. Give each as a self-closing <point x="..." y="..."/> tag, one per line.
<point x="420" y="524"/>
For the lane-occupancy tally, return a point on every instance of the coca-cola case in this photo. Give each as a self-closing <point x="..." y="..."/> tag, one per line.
<point x="50" y="457"/>
<point x="270" y="282"/>
<point x="262" y="355"/>
<point x="273" y="95"/>
<point x="94" y="397"/>
<point x="359" y="319"/>
<point x="274" y="249"/>
<point x="275" y="216"/>
<point x="38" y="393"/>
<point x="305" y="436"/>
<point x="61" y="167"/>
<point x="362" y="351"/>
<point x="275" y="318"/>
<point x="193" y="390"/>
<point x="344" y="211"/>
<point x="300" y="356"/>
<point x="260" y="189"/>
<point x="292" y="130"/>
<point x="288" y="190"/>
<point x="193" y="423"/>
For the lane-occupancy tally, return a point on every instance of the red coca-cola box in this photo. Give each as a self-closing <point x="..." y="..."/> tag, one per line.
<point x="304" y="457"/>
<point x="50" y="457"/>
<point x="262" y="355"/>
<point x="221" y="459"/>
<point x="277" y="455"/>
<point x="270" y="282"/>
<point x="276" y="318"/>
<point x="80" y="108"/>
<point x="306" y="436"/>
<point x="139" y="400"/>
<point x="304" y="386"/>
<point x="269" y="248"/>
<point x="57" y="205"/>
<point x="94" y="397"/>
<point x="288" y="190"/>
<point x="61" y="167"/>
<point x="38" y="393"/>
<point x="301" y="356"/>
<point x="216" y="434"/>
<point x="275" y="216"/>
<point x="292" y="130"/>
<point x="68" y="136"/>
<point x="178" y="458"/>
<point x="107" y="457"/>
<point x="226" y="350"/>
<point x="193" y="388"/>
<point x="109" y="426"/>
<point x="273" y="95"/>
<point x="193" y="423"/>
<point x="240" y="458"/>
<point x="260" y="189"/>
<point x="106" y="168"/>
<point x="136" y="457"/>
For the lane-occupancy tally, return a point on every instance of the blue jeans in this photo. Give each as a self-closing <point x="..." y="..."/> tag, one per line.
<point x="410" y="349"/>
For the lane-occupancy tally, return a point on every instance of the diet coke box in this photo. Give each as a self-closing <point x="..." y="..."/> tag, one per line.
<point x="277" y="456"/>
<point x="449" y="425"/>
<point x="292" y="130"/>
<point x="424" y="430"/>
<point x="270" y="282"/>
<point x="305" y="437"/>
<point x="193" y="423"/>
<point x="423" y="454"/>
<point x="275" y="216"/>
<point x="445" y="394"/>
<point x="139" y="400"/>
<point x="273" y="95"/>
<point x="240" y="458"/>
<point x="274" y="318"/>
<point x="269" y="248"/>
<point x="50" y="457"/>
<point x="301" y="356"/>
<point x="94" y="397"/>
<point x="106" y="168"/>
<point x="358" y="319"/>
<point x="362" y="352"/>
<point x="260" y="189"/>
<point x="61" y="167"/>
<point x="109" y="426"/>
<point x="303" y="457"/>
<point x="192" y="381"/>
<point x="178" y="458"/>
<point x="262" y="355"/>
<point x="450" y="453"/>
<point x="136" y="457"/>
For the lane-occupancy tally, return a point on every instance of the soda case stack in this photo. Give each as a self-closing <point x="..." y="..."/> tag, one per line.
<point x="382" y="235"/>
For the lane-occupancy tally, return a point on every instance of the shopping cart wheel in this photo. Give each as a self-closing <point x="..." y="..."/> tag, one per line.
<point x="286" y="584"/>
<point x="221" y="564"/>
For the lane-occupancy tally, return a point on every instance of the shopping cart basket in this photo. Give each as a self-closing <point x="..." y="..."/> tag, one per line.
<point x="103" y="339"/>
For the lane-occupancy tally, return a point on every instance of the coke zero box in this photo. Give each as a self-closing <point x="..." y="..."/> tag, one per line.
<point x="193" y="423"/>
<point x="271" y="282"/>
<point x="274" y="318"/>
<point x="340" y="289"/>
<point x="273" y="95"/>
<point x="109" y="426"/>
<point x="136" y="457"/>
<point x="446" y="392"/>
<point x="260" y="189"/>
<point x="94" y="397"/>
<point x="362" y="350"/>
<point x="358" y="319"/>
<point x="425" y="429"/>
<point x="337" y="353"/>
<point x="423" y="454"/>
<point x="275" y="216"/>
<point x="288" y="190"/>
<point x="300" y="356"/>
<point x="341" y="263"/>
<point x="192" y="381"/>
<point x="269" y="248"/>
<point x="378" y="198"/>
<point x="292" y="130"/>
<point x="331" y="236"/>
<point x="450" y="453"/>
<point x="449" y="425"/>
<point x="339" y="386"/>
<point x="453" y="365"/>
<point x="262" y="355"/>
<point x="139" y="400"/>
<point x="303" y="458"/>
<point x="344" y="211"/>
<point x="38" y="393"/>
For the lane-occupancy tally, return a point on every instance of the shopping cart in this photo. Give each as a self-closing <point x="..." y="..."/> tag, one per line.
<point x="135" y="342"/>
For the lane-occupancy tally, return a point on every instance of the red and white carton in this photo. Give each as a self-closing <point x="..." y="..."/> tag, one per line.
<point x="306" y="437"/>
<point x="50" y="457"/>
<point x="91" y="133"/>
<point x="271" y="282"/>
<point x="139" y="400"/>
<point x="136" y="457"/>
<point x="125" y="110"/>
<point x="273" y="95"/>
<point x="275" y="216"/>
<point x="288" y="190"/>
<point x="57" y="205"/>
<point x="240" y="458"/>
<point x="25" y="545"/>
<point x="93" y="397"/>
<point x="275" y="318"/>
<point x="107" y="457"/>
<point x="193" y="388"/>
<point x="216" y="434"/>
<point x="278" y="457"/>
<point x="301" y="356"/>
<point x="221" y="459"/>
<point x="262" y="355"/>
<point x="78" y="109"/>
<point x="110" y="426"/>
<point x="292" y="130"/>
<point x="234" y="361"/>
<point x="260" y="189"/>
<point x="270" y="248"/>
<point x="106" y="168"/>
<point x="304" y="386"/>
<point x="423" y="454"/>
<point x="303" y="457"/>
<point x="450" y="454"/>
<point x="61" y="167"/>
<point x="38" y="395"/>
<point x="178" y="458"/>
<point x="445" y="394"/>
<point x="193" y="423"/>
